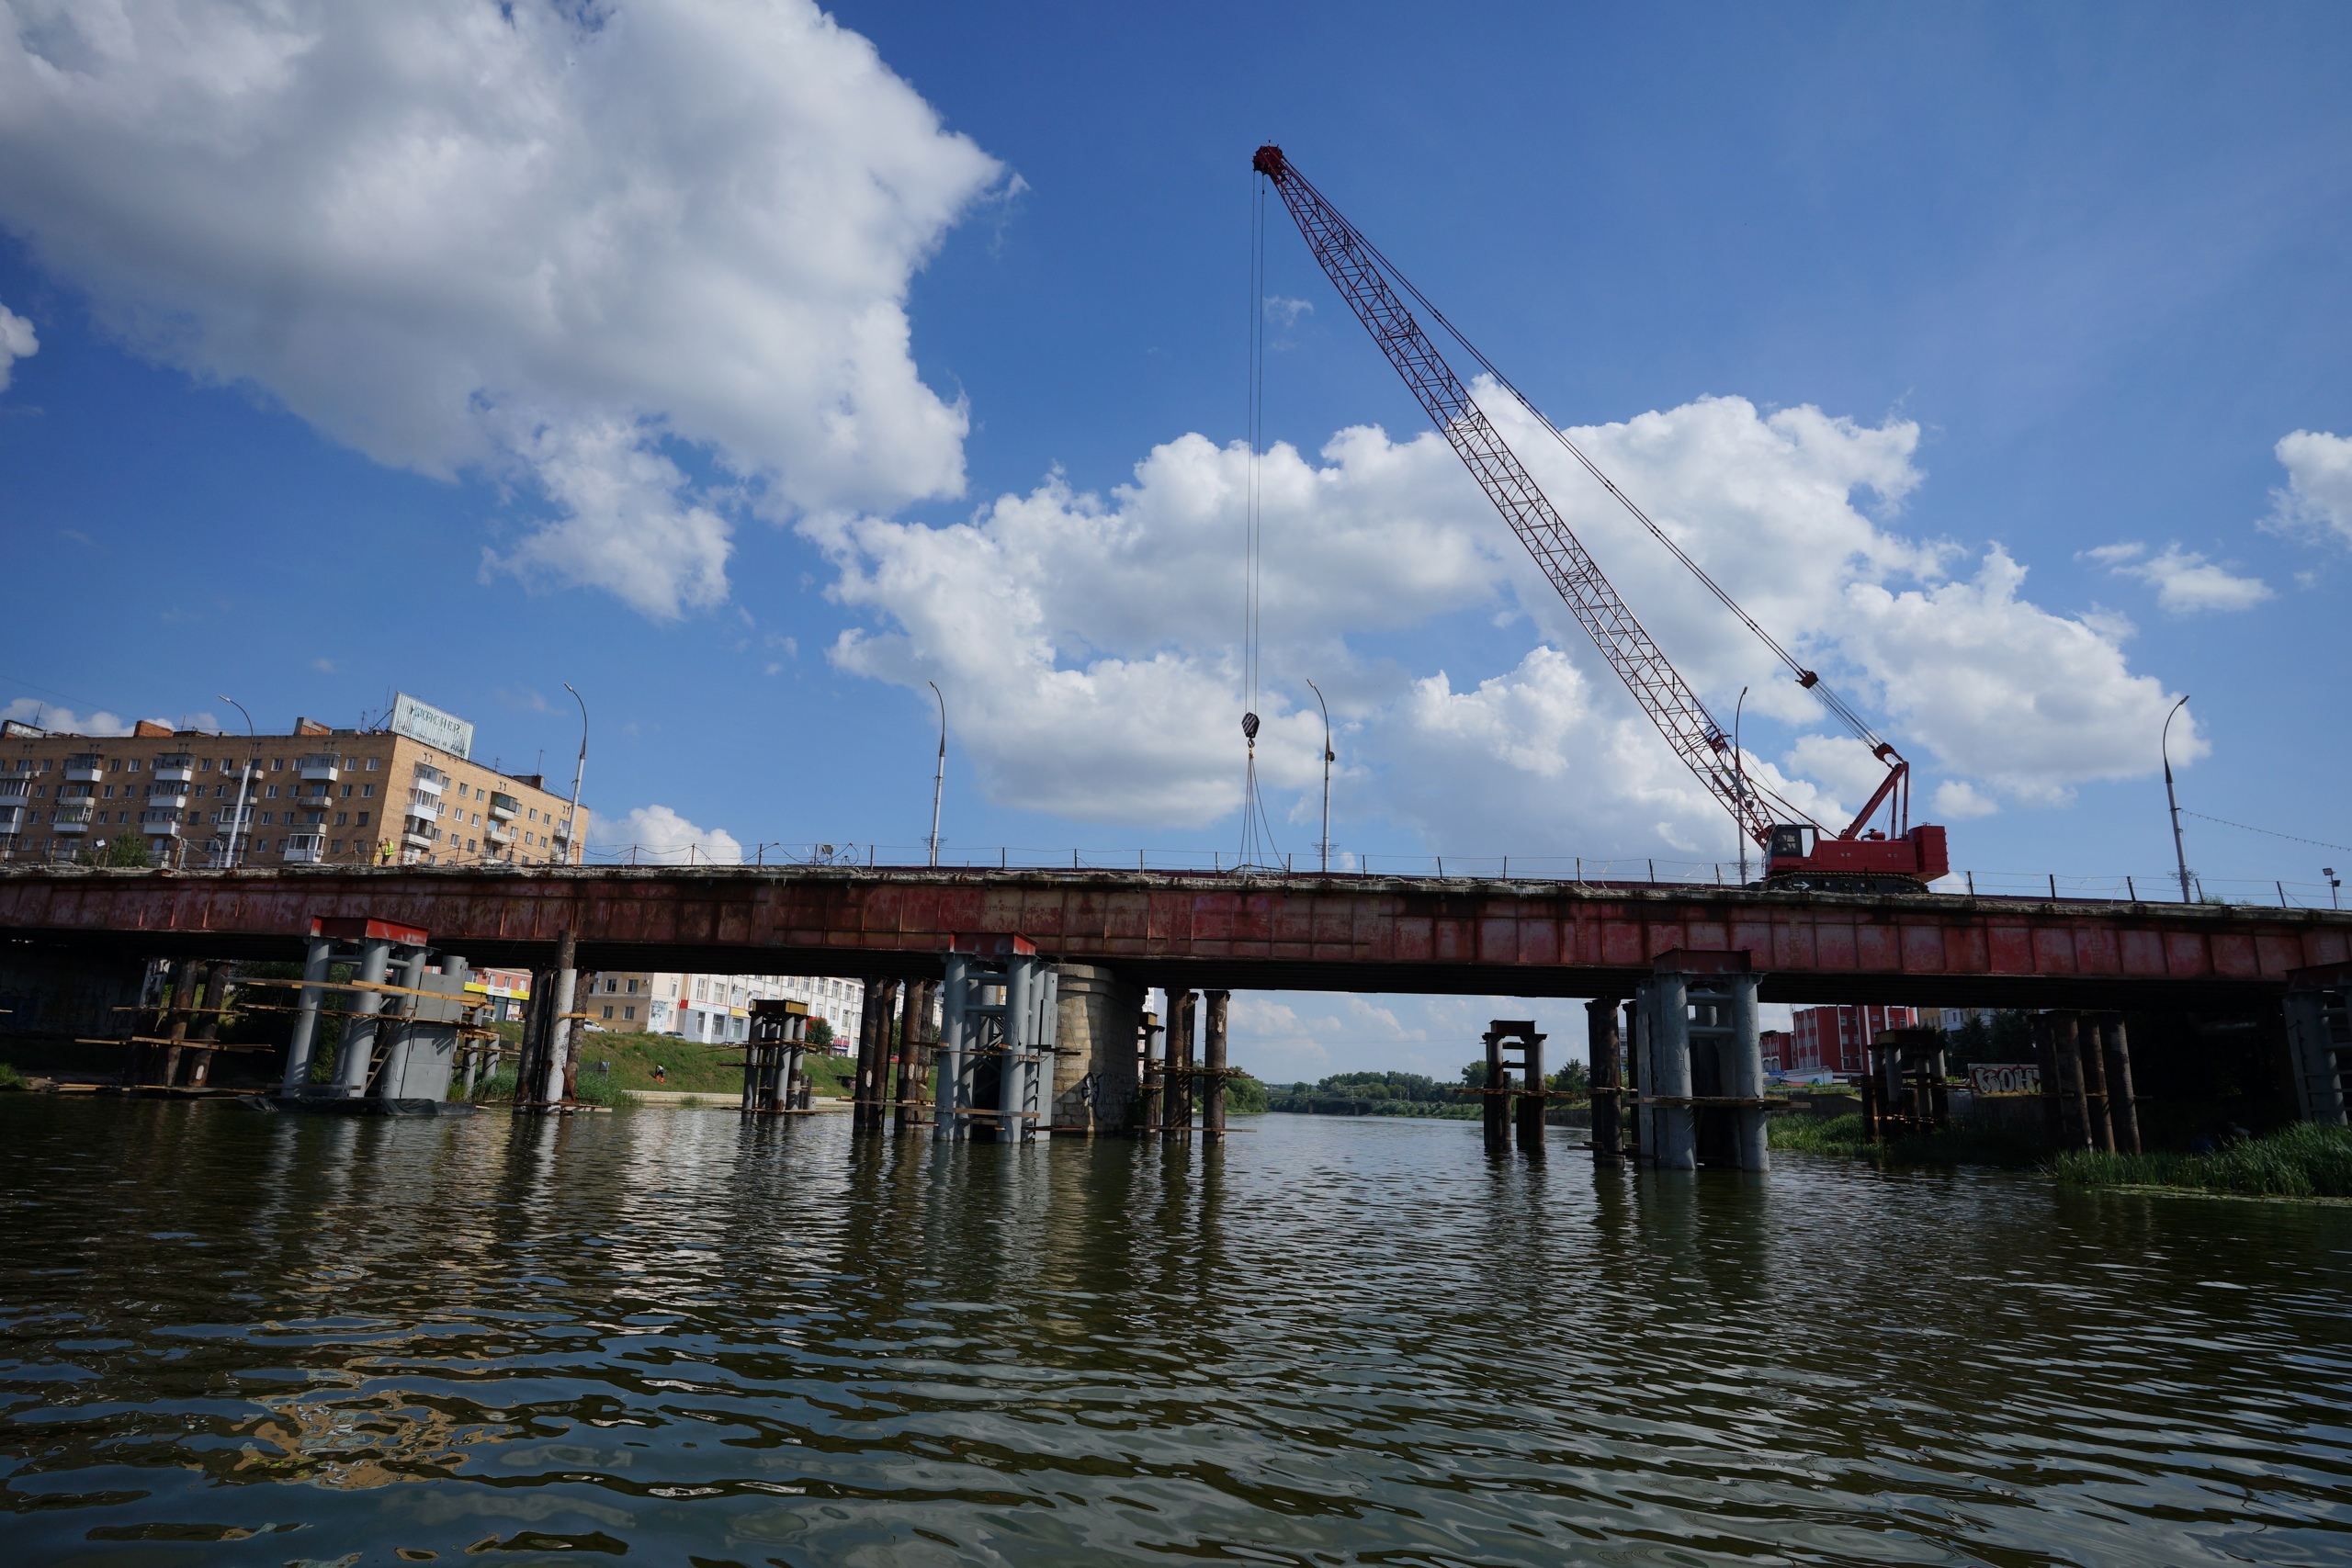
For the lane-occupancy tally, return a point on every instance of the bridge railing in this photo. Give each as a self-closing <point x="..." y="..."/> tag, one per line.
<point x="2158" y="887"/>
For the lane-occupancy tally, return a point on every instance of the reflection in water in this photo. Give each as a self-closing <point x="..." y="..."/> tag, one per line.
<point x="682" y="1336"/>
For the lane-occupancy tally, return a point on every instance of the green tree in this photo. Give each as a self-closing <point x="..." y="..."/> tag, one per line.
<point x="127" y="849"/>
<point x="820" y="1033"/>
<point x="1475" y="1074"/>
<point x="1573" y="1078"/>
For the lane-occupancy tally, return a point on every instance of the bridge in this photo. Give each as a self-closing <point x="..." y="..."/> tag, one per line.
<point x="1459" y="935"/>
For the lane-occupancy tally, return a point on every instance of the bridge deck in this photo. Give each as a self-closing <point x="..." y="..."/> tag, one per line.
<point x="1297" y="932"/>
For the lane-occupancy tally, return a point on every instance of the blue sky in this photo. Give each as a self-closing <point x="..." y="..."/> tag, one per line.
<point x="2054" y="282"/>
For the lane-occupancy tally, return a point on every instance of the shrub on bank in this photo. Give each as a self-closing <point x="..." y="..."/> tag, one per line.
<point x="2302" y="1161"/>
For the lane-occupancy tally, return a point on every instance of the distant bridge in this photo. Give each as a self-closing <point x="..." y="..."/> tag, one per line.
<point x="1282" y="933"/>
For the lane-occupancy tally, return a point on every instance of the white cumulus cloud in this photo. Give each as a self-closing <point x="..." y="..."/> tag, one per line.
<point x="655" y="835"/>
<point x="2318" y="497"/>
<point x="558" y="244"/>
<point x="64" y="721"/>
<point x="16" y="341"/>
<point x="1089" y="646"/>
<point x="2184" y="580"/>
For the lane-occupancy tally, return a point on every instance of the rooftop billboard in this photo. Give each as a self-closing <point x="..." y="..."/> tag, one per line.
<point x="423" y="721"/>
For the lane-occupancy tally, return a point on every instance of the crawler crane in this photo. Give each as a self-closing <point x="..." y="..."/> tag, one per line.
<point x="1798" y="852"/>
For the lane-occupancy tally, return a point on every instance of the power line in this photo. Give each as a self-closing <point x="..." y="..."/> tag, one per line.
<point x="2316" y="843"/>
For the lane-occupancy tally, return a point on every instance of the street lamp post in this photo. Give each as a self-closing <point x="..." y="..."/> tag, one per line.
<point x="1328" y="758"/>
<point x="244" y="775"/>
<point x="572" y="850"/>
<point x="939" y="775"/>
<point x="2334" y="883"/>
<point x="2179" y="855"/>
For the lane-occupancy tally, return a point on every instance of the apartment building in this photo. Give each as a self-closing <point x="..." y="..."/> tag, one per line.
<point x="717" y="1007"/>
<point x="1836" y="1040"/>
<point x="315" y="794"/>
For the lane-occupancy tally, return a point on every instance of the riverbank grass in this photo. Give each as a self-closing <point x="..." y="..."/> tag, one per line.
<point x="1843" y="1135"/>
<point x="2302" y="1161"/>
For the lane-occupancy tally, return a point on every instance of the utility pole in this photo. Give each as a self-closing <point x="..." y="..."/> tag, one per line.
<point x="939" y="776"/>
<point x="244" y="775"/>
<point x="1328" y="758"/>
<point x="2179" y="855"/>
<point x="572" y="849"/>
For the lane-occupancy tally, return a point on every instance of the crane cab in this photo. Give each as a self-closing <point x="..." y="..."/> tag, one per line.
<point x="1798" y="857"/>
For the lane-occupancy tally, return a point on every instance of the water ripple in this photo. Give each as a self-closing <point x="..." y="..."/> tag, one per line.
<point x="669" y="1336"/>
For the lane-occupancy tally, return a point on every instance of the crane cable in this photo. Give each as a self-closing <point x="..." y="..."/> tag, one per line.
<point x="1257" y="833"/>
<point x="1805" y="678"/>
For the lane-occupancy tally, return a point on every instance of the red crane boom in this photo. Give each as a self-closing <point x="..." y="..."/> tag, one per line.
<point x="1797" y="852"/>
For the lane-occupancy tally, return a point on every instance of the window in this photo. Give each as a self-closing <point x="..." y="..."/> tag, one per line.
<point x="109" y="791"/>
<point x="347" y="792"/>
<point x="608" y="1012"/>
<point x="134" y="764"/>
<point x="273" y="792"/>
<point x="363" y="819"/>
<point x="629" y="1014"/>
<point x="702" y="988"/>
<point x="469" y="844"/>
<point x="264" y="817"/>
<point x="632" y="987"/>
<point x="341" y="818"/>
<point x="205" y="766"/>
<point x="611" y="984"/>
<point x="372" y="767"/>
<point x="534" y="813"/>
<point x="114" y="766"/>
<point x="338" y="848"/>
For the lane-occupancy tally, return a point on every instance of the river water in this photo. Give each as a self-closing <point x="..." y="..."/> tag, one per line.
<point x="235" y="1337"/>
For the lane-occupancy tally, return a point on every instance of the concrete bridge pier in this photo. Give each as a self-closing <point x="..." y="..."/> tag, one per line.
<point x="304" y="1040"/>
<point x="1098" y="1015"/>
<point x="1669" y="1141"/>
<point x="1702" y="1064"/>
<point x="915" y="1051"/>
<point x="1176" y="1065"/>
<point x="359" y="1047"/>
<point x="1602" y="1056"/>
<point x="1000" y="1010"/>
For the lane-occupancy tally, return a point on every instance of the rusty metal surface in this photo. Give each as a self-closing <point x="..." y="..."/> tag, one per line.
<point x="1295" y="932"/>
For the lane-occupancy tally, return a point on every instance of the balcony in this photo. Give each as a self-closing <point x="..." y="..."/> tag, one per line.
<point x="304" y="849"/>
<point x="176" y="768"/>
<point x="12" y="820"/>
<point x="315" y="796"/>
<point x="173" y="795"/>
<point x="412" y="840"/>
<point x="319" y="766"/>
<point x="423" y="807"/>
<point x="72" y="818"/>
<point x="155" y="822"/>
<point x="83" y="768"/>
<point x="17" y="790"/>
<point x="430" y="779"/>
<point x="80" y="795"/>
<point x="499" y="832"/>
<point x="503" y="807"/>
